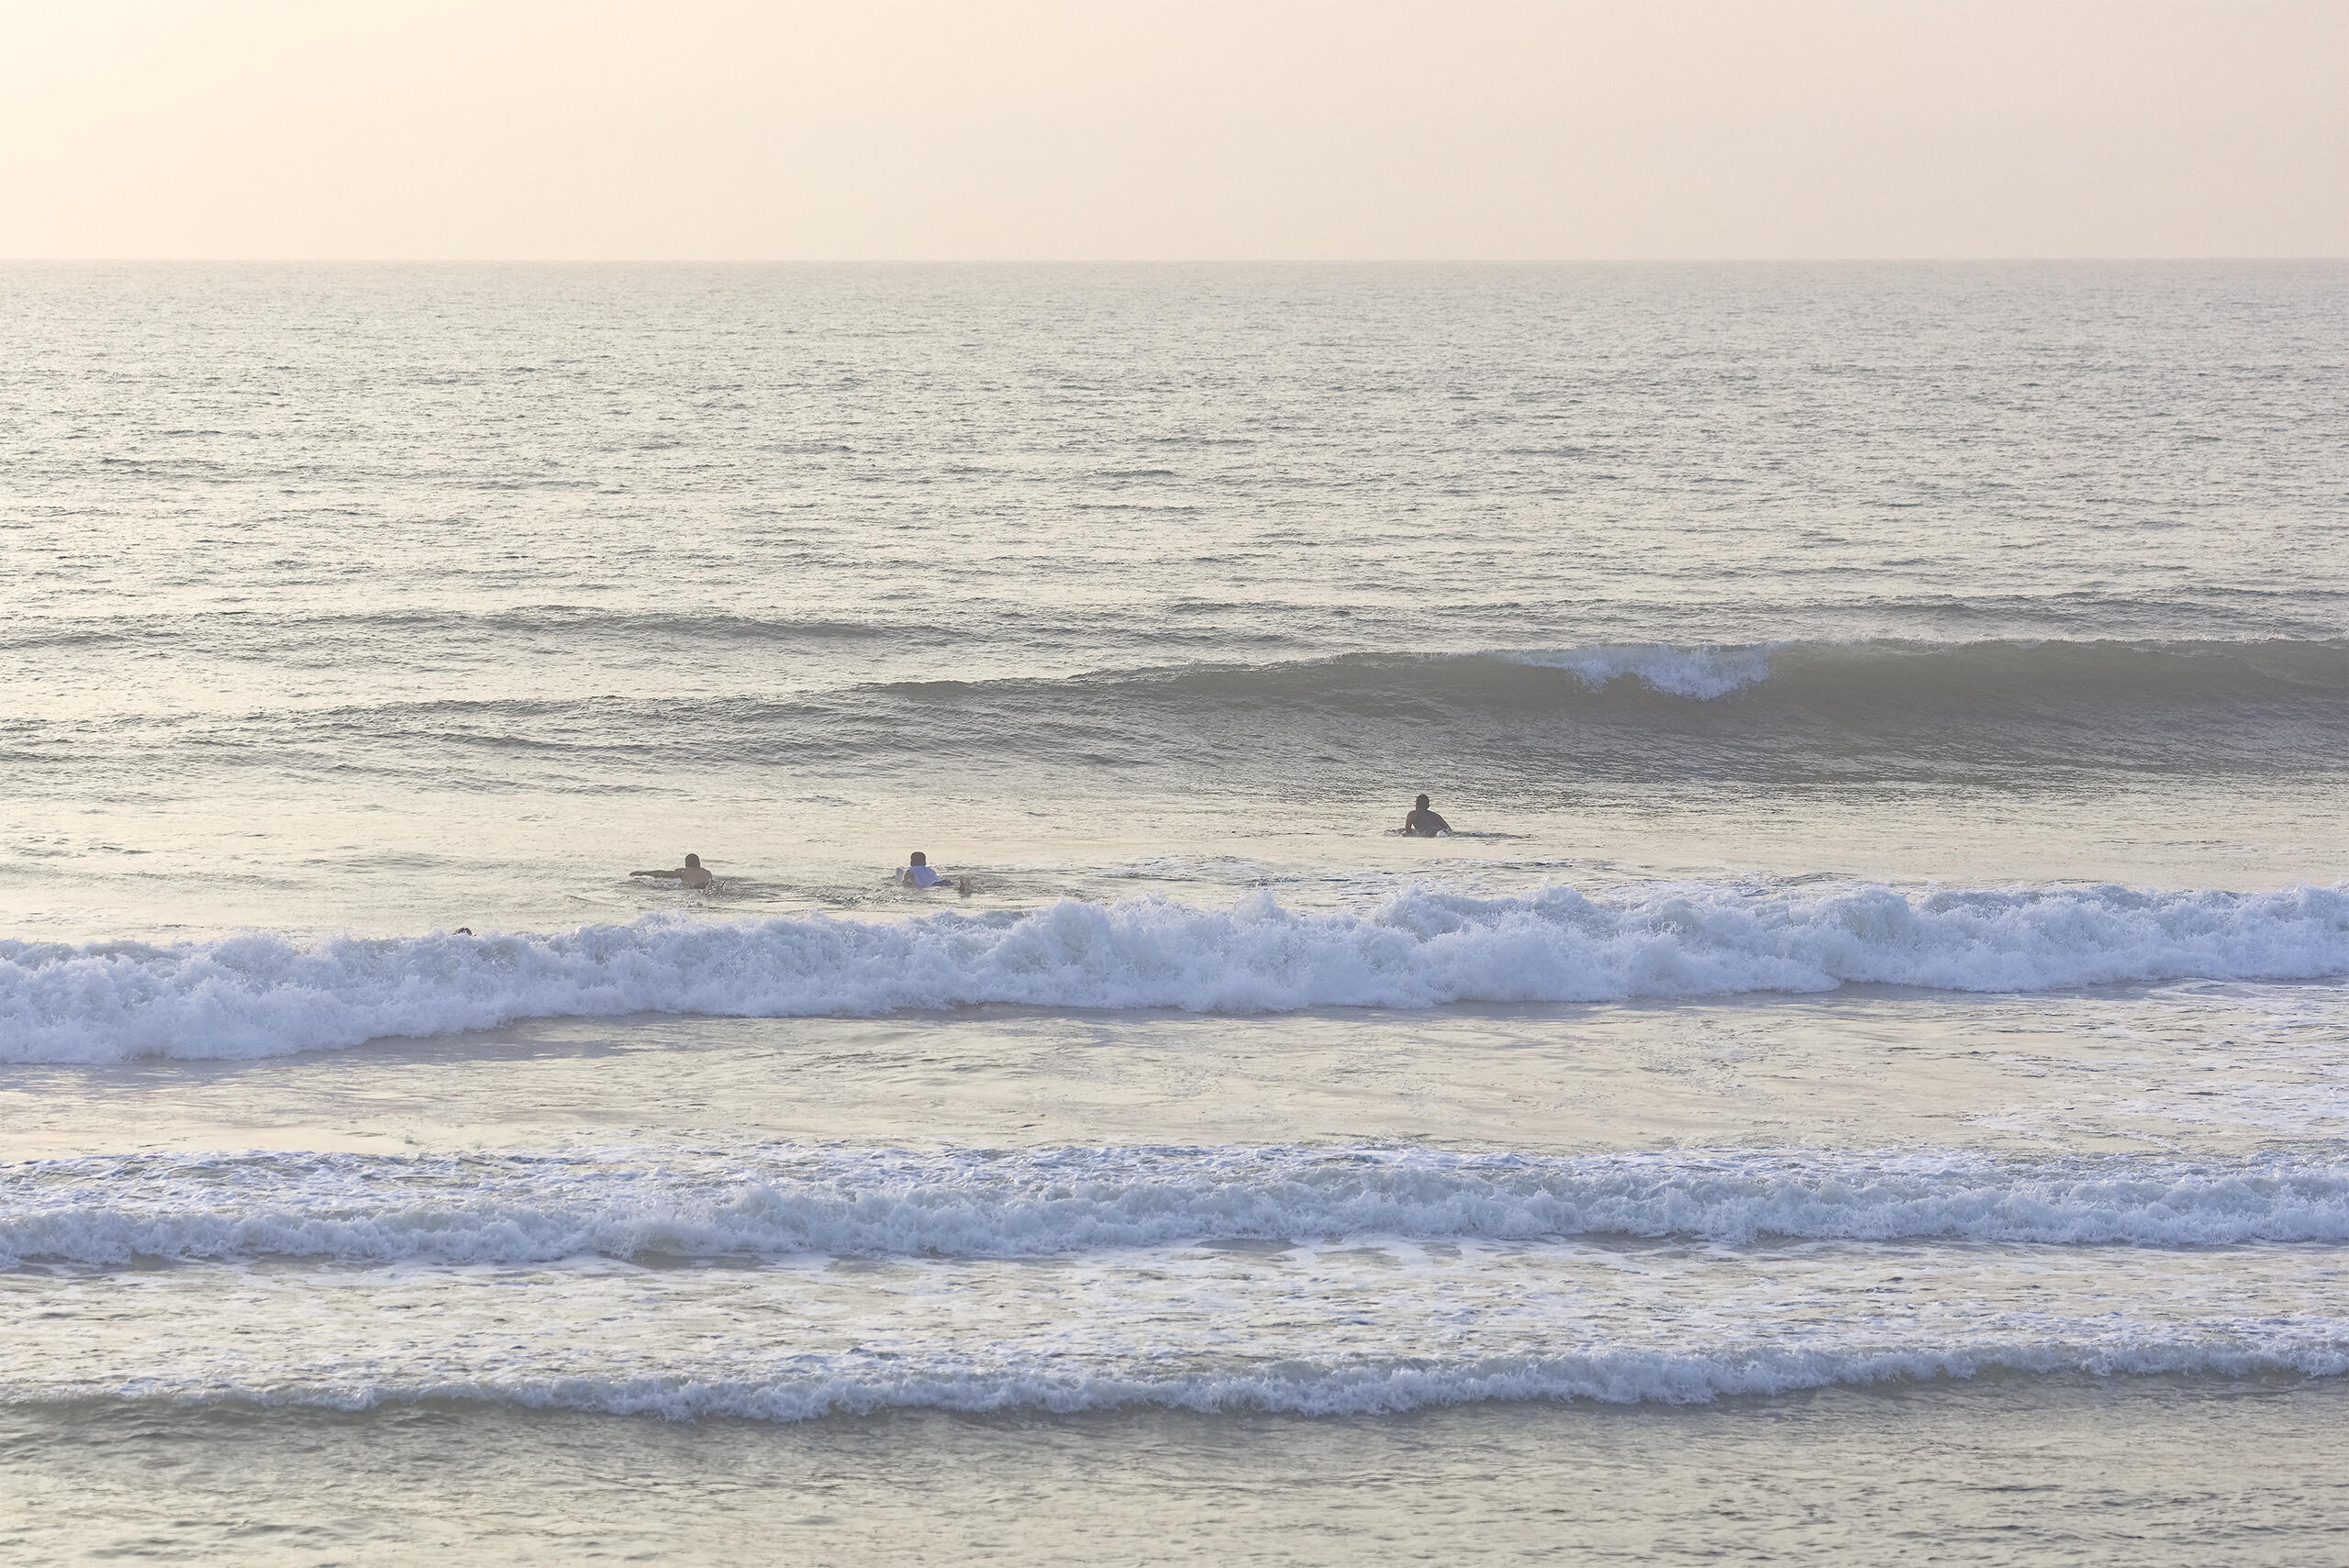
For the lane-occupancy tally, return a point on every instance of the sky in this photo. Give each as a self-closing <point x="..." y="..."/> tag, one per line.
<point x="1180" y="129"/>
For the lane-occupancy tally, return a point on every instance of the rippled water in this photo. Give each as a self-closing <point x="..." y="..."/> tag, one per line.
<point x="1888" y="975"/>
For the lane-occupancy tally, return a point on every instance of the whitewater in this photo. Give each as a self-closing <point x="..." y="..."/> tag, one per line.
<point x="763" y="1202"/>
<point x="260" y="995"/>
<point x="1345" y="1389"/>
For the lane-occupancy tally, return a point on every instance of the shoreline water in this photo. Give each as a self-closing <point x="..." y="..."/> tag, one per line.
<point x="2163" y="1470"/>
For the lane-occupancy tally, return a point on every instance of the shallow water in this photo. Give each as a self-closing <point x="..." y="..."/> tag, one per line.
<point x="1994" y="1469"/>
<point x="1863" y="1082"/>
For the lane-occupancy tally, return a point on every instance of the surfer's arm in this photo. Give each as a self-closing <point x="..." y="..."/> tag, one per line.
<point x="680" y="872"/>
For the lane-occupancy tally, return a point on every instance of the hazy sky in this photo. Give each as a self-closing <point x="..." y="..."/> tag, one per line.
<point x="1275" y="129"/>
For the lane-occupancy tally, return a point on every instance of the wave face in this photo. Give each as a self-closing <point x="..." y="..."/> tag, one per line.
<point x="1953" y="679"/>
<point x="641" y="1204"/>
<point x="1704" y="672"/>
<point x="261" y="995"/>
<point x="2009" y="714"/>
<point x="1777" y="709"/>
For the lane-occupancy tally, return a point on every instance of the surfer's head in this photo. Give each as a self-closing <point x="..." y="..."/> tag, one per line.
<point x="1421" y="804"/>
<point x="920" y="859"/>
<point x="693" y="859"/>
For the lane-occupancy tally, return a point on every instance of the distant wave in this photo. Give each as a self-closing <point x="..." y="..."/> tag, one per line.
<point x="2008" y="713"/>
<point x="814" y="1387"/>
<point x="1957" y="677"/>
<point x="648" y="1204"/>
<point x="261" y="995"/>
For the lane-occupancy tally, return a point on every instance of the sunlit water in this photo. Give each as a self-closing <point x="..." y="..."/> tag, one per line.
<point x="1863" y="1080"/>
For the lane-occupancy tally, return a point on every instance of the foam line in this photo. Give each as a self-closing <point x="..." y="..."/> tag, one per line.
<point x="260" y="994"/>
<point x="640" y="1204"/>
<point x="816" y="1387"/>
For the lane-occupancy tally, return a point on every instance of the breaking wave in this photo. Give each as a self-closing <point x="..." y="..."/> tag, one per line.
<point x="1702" y="672"/>
<point x="1857" y="682"/>
<point x="646" y="1203"/>
<point x="2013" y="712"/>
<point x="261" y="994"/>
<point x="819" y="1386"/>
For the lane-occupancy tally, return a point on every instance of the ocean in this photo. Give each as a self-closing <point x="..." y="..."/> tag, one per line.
<point x="1862" y="1081"/>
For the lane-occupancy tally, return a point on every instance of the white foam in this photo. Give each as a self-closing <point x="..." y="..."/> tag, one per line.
<point x="259" y="994"/>
<point x="767" y="1202"/>
<point x="1704" y="671"/>
<point x="820" y="1385"/>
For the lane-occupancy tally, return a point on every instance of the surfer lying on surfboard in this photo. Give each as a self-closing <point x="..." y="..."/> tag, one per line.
<point x="919" y="872"/>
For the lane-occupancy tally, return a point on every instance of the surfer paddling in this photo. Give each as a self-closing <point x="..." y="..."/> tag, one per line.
<point x="919" y="872"/>
<point x="1423" y="823"/>
<point x="690" y="873"/>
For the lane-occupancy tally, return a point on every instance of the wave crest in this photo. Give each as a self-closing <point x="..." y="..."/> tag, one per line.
<point x="1704" y="672"/>
<point x="261" y="995"/>
<point x="768" y="1203"/>
<point x="816" y="1387"/>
